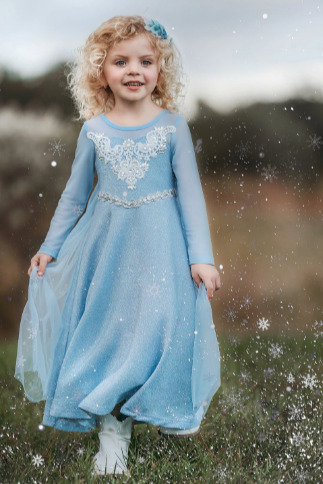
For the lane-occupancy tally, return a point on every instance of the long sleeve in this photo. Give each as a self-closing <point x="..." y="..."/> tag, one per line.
<point x="190" y="196"/>
<point x="74" y="197"/>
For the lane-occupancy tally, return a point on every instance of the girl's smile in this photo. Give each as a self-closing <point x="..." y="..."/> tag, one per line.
<point x="133" y="88"/>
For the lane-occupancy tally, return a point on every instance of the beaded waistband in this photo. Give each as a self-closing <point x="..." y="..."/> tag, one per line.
<point x="139" y="201"/>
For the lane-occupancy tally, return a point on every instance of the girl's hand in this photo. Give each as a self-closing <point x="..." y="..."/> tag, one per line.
<point x="40" y="260"/>
<point x="209" y="275"/>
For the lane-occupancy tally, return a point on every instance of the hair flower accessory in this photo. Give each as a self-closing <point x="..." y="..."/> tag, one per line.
<point x="157" y="29"/>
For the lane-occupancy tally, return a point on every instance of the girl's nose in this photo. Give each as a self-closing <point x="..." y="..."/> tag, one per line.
<point x="133" y="68"/>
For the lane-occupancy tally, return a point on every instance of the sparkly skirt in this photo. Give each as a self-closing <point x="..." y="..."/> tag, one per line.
<point x="118" y="317"/>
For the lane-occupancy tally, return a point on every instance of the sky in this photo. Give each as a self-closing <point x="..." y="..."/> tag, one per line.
<point x="234" y="52"/>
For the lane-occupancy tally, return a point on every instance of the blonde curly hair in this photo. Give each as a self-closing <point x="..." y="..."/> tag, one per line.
<point x="84" y="74"/>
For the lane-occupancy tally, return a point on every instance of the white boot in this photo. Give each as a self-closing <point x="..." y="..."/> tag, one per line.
<point x="115" y="439"/>
<point x="178" y="432"/>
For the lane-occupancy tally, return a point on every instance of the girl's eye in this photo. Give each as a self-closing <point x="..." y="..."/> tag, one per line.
<point x="123" y="61"/>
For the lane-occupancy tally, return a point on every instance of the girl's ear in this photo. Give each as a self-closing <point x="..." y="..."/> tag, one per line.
<point x="103" y="79"/>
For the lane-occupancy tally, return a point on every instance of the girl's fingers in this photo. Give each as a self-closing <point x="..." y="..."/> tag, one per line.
<point x="31" y="268"/>
<point x="210" y="288"/>
<point x="197" y="280"/>
<point x="43" y="264"/>
<point x="40" y="260"/>
<point x="41" y="269"/>
<point x="33" y="263"/>
<point x="217" y="282"/>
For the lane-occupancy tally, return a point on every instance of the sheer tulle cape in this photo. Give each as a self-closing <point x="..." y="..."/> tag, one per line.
<point x="41" y="322"/>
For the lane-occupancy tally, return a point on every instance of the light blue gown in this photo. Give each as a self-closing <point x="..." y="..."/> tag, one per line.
<point x="117" y="316"/>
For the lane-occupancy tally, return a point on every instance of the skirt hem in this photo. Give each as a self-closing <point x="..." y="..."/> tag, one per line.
<point x="68" y="425"/>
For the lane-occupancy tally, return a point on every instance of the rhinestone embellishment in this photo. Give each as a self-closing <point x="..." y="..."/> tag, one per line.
<point x="139" y="201"/>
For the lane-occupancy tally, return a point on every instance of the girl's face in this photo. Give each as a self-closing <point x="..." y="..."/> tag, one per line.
<point x="131" y="60"/>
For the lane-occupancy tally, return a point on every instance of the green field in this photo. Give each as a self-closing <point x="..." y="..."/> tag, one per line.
<point x="264" y="425"/>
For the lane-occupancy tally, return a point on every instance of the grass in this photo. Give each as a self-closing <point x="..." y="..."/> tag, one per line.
<point x="264" y="425"/>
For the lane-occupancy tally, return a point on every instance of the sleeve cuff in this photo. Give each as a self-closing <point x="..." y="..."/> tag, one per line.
<point x="51" y="252"/>
<point x="201" y="260"/>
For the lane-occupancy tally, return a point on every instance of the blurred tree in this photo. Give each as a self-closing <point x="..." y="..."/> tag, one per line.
<point x="39" y="93"/>
<point x="270" y="139"/>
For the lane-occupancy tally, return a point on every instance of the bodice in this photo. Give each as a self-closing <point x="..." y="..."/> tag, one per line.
<point x="135" y="165"/>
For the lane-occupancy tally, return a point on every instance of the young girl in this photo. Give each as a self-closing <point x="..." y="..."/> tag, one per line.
<point x="118" y="325"/>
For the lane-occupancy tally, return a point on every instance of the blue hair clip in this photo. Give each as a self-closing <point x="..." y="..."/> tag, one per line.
<point x="157" y="29"/>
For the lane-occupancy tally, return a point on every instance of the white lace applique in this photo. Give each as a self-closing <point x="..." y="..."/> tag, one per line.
<point x="129" y="160"/>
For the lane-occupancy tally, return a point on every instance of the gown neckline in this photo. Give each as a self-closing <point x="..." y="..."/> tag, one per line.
<point x="141" y="126"/>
